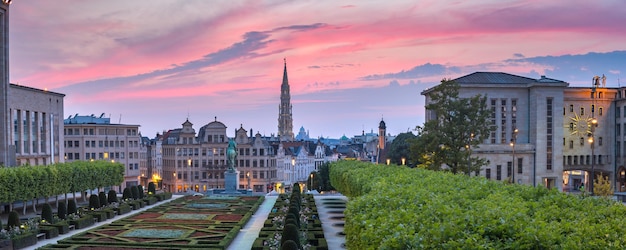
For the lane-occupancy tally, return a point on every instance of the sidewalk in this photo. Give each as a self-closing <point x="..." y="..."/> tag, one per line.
<point x="246" y="236"/>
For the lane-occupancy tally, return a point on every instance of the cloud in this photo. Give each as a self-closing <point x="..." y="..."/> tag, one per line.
<point x="424" y="70"/>
<point x="518" y="55"/>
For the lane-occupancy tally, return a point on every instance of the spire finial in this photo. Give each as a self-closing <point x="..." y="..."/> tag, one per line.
<point x="285" y="60"/>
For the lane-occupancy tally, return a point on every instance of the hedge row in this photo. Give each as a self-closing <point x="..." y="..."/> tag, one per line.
<point x="394" y="207"/>
<point x="29" y="182"/>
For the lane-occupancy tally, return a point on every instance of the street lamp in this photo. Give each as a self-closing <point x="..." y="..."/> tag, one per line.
<point x="403" y="161"/>
<point x="311" y="183"/>
<point x="513" y="141"/>
<point x="594" y="123"/>
<point x="248" y="176"/>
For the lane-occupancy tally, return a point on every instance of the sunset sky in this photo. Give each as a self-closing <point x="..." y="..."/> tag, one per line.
<point x="156" y="63"/>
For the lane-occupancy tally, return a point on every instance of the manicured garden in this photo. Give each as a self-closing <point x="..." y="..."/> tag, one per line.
<point x="394" y="207"/>
<point x="31" y="184"/>
<point x="293" y="221"/>
<point x="190" y="222"/>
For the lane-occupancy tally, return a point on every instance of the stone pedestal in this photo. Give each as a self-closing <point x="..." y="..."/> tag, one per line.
<point x="231" y="181"/>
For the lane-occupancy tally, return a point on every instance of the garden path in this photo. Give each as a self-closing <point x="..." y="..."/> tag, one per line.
<point x="246" y="236"/>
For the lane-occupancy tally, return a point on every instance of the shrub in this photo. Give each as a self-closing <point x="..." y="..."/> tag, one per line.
<point x="71" y="207"/>
<point x="103" y="199"/>
<point x="151" y="188"/>
<point x="126" y="194"/>
<point x="290" y="232"/>
<point x="46" y="212"/>
<point x="14" y="219"/>
<point x="94" y="202"/>
<point x="289" y="245"/>
<point x="134" y="191"/>
<point x="62" y="210"/>
<point x="140" y="190"/>
<point x="112" y="196"/>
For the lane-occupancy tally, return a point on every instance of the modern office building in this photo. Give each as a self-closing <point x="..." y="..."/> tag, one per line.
<point x="90" y="138"/>
<point x="550" y="134"/>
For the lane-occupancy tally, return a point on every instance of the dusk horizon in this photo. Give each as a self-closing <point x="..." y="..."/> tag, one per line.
<point x="159" y="63"/>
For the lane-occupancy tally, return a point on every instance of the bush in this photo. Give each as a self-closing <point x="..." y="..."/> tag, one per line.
<point x="71" y="207"/>
<point x="289" y="245"/>
<point x="62" y="210"/>
<point x="151" y="188"/>
<point x="14" y="220"/>
<point x="140" y="190"/>
<point x="126" y="194"/>
<point x="134" y="191"/>
<point x="103" y="199"/>
<point x="46" y="212"/>
<point x="94" y="201"/>
<point x="290" y="232"/>
<point x="112" y="196"/>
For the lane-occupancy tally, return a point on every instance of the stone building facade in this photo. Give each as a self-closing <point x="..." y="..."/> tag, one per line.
<point x="90" y="138"/>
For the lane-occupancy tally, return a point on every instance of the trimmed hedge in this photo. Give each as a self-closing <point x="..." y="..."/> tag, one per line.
<point x="83" y="222"/>
<point x="50" y="231"/>
<point x="24" y="240"/>
<point x="59" y="178"/>
<point x="394" y="207"/>
<point x="123" y="209"/>
<point x="63" y="227"/>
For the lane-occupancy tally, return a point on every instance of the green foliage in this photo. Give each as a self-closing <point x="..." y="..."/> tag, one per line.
<point x="45" y="181"/>
<point x="134" y="191"/>
<point x="71" y="207"/>
<point x="112" y="196"/>
<point x="126" y="194"/>
<point x="46" y="212"/>
<point x="140" y="191"/>
<point x="94" y="201"/>
<point x="102" y="197"/>
<point x="602" y="186"/>
<point x="420" y="209"/>
<point x="400" y="148"/>
<point x="62" y="210"/>
<point x="290" y="232"/>
<point x="289" y="245"/>
<point x="324" y="179"/>
<point x="151" y="188"/>
<point x="460" y="125"/>
<point x="14" y="219"/>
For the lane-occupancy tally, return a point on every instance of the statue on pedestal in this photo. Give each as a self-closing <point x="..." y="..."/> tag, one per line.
<point x="231" y="154"/>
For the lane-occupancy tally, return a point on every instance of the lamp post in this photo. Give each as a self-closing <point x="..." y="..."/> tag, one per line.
<point x="513" y="142"/>
<point x="311" y="182"/>
<point x="248" y="176"/>
<point x="594" y="123"/>
<point x="403" y="161"/>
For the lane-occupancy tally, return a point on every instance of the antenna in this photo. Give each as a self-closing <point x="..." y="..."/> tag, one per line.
<point x="120" y="121"/>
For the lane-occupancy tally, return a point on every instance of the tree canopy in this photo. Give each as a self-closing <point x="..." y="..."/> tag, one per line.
<point x="399" y="148"/>
<point x="458" y="125"/>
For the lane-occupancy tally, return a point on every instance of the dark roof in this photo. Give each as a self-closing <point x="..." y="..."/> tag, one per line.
<point x="500" y="77"/>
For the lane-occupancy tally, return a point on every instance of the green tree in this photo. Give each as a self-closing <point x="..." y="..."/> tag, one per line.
<point x="460" y="125"/>
<point x="399" y="148"/>
<point x="602" y="186"/>
<point x="324" y="177"/>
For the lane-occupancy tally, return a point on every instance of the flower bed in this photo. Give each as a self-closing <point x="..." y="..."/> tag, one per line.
<point x="311" y="233"/>
<point x="177" y="224"/>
